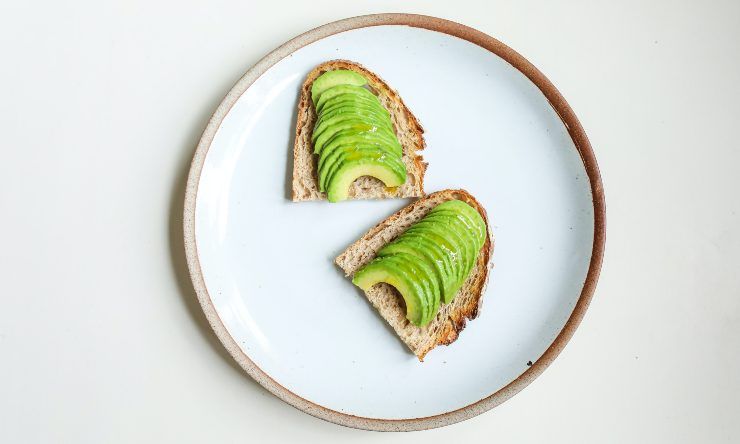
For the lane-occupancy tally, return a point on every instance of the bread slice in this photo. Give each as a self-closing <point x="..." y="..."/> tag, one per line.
<point x="451" y="318"/>
<point x="407" y="127"/>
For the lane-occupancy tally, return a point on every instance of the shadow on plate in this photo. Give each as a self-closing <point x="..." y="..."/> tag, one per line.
<point x="177" y="249"/>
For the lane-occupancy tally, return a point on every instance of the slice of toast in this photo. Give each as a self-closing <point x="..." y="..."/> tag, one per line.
<point x="451" y="318"/>
<point x="407" y="128"/>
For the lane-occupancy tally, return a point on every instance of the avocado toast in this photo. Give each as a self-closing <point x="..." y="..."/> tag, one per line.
<point x="334" y="121"/>
<point x="418" y="327"/>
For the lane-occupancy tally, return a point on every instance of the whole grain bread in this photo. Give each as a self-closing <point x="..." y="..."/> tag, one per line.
<point x="451" y="318"/>
<point x="407" y="128"/>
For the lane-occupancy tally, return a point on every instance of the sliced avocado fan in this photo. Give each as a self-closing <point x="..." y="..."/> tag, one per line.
<point x="353" y="136"/>
<point x="429" y="262"/>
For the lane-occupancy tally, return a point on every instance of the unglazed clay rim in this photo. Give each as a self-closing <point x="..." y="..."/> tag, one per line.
<point x="556" y="101"/>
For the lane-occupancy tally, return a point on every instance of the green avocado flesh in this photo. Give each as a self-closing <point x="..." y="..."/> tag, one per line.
<point x="364" y="131"/>
<point x="454" y="228"/>
<point x="395" y="273"/>
<point x="371" y="103"/>
<point x="465" y="212"/>
<point x="348" y="171"/>
<point x="333" y="124"/>
<point x="353" y="136"/>
<point x="418" y="287"/>
<point x="334" y="78"/>
<point x="357" y="154"/>
<point x="361" y="107"/>
<point x="424" y="252"/>
<point x="430" y="261"/>
<point x="358" y="112"/>
<point x="359" y="148"/>
<point x="458" y="246"/>
<point x="339" y="90"/>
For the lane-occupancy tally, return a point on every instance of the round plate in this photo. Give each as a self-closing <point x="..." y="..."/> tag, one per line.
<point x="263" y="267"/>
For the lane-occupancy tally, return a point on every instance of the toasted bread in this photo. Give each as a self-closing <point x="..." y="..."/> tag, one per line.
<point x="407" y="128"/>
<point x="451" y="318"/>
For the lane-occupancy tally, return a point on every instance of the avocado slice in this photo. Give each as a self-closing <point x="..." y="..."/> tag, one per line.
<point x="388" y="271"/>
<point x="451" y="286"/>
<point x="342" y="89"/>
<point x="359" y="137"/>
<point x="354" y="113"/>
<point x="454" y="225"/>
<point x="450" y="244"/>
<point x="442" y="252"/>
<point x="426" y="252"/>
<point x="330" y="165"/>
<point x="475" y="228"/>
<point x="424" y="275"/>
<point x="450" y="253"/>
<point x="439" y="251"/>
<point x="459" y="218"/>
<point x="365" y="131"/>
<point x="343" y="121"/>
<point x="327" y="121"/>
<point x="468" y="212"/>
<point x="428" y="279"/>
<point x="331" y="98"/>
<point x="478" y="231"/>
<point x="355" y="107"/>
<point x="357" y="125"/>
<point x="334" y="78"/>
<point x="458" y="249"/>
<point x="370" y="101"/>
<point x="349" y="151"/>
<point x="338" y="183"/>
<point x="329" y="157"/>
<point x="343" y="129"/>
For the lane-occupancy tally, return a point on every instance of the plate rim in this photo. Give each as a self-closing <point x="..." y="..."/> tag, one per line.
<point x="558" y="103"/>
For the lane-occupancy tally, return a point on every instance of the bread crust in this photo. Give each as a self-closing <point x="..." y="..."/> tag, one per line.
<point x="445" y="328"/>
<point x="407" y="127"/>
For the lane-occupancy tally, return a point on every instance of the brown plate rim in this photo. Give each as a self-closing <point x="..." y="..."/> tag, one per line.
<point x="558" y="103"/>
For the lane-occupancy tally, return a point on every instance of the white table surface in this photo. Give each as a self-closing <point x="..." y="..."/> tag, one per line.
<point x="102" y="339"/>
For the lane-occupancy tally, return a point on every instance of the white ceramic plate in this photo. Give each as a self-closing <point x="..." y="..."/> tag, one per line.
<point x="262" y="265"/>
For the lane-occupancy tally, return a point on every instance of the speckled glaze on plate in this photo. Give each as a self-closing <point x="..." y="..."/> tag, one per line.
<point x="262" y="265"/>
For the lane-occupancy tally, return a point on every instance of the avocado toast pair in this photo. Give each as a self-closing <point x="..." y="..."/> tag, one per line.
<point x="356" y="139"/>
